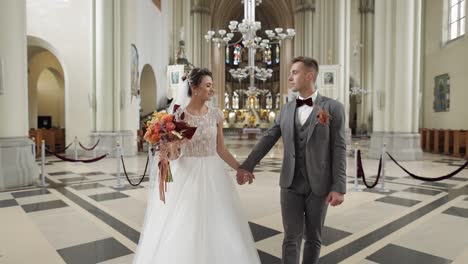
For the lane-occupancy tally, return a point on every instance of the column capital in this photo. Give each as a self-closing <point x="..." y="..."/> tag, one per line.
<point x="366" y="6"/>
<point x="304" y="7"/>
<point x="200" y="7"/>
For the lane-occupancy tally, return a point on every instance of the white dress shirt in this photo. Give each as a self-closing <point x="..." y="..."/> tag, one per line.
<point x="303" y="112"/>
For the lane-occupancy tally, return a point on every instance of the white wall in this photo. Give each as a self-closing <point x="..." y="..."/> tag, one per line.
<point x="50" y="98"/>
<point x="65" y="25"/>
<point x="439" y="59"/>
<point x="150" y="34"/>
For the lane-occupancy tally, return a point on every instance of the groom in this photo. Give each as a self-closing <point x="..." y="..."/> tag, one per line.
<point x="313" y="174"/>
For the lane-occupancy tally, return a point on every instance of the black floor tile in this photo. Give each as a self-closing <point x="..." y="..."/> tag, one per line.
<point x="457" y="211"/>
<point x="261" y="232"/>
<point x="8" y="203"/>
<point x="108" y="196"/>
<point x="91" y="173"/>
<point x="35" y="207"/>
<point x="87" y="186"/>
<point x="398" y="201"/>
<point x="58" y="173"/>
<point x="129" y="187"/>
<point x="30" y="193"/>
<point x="266" y="258"/>
<point x="331" y="235"/>
<point x="393" y="254"/>
<point x="422" y="191"/>
<point x="94" y="252"/>
<point x="439" y="184"/>
<point x="74" y="179"/>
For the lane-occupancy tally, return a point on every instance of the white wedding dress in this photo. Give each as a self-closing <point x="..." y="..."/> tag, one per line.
<point x="202" y="220"/>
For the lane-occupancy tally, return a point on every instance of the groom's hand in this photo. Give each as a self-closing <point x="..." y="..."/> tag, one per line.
<point x="335" y="198"/>
<point x="244" y="176"/>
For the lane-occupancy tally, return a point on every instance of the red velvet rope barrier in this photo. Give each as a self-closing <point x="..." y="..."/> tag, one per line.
<point x="429" y="179"/>
<point x="74" y="160"/>
<point x="92" y="148"/>
<point x="360" y="171"/>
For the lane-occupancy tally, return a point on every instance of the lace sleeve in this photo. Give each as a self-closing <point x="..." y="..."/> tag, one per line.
<point x="219" y="116"/>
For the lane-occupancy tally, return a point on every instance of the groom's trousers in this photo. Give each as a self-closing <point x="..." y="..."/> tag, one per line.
<point x="303" y="215"/>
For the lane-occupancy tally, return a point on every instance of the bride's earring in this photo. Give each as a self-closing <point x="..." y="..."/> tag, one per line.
<point x="196" y="94"/>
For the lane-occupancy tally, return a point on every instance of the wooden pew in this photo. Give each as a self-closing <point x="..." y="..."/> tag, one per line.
<point x="438" y="141"/>
<point x="429" y="140"/>
<point x="459" y="141"/>
<point x="448" y="141"/>
<point x="422" y="133"/>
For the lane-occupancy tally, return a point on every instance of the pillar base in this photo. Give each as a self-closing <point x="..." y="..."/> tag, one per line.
<point x="107" y="144"/>
<point x="402" y="146"/>
<point x="18" y="167"/>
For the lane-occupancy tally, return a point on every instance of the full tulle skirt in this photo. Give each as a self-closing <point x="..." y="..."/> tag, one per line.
<point x="202" y="221"/>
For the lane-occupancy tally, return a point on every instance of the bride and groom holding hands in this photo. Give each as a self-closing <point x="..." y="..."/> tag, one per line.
<point x="202" y="220"/>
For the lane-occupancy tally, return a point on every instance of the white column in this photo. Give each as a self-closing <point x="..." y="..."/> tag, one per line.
<point x="396" y="78"/>
<point x="201" y="21"/>
<point x="366" y="9"/>
<point x="105" y="119"/>
<point x="112" y="75"/>
<point x="218" y="68"/>
<point x="304" y="23"/>
<point x="343" y="43"/>
<point x="17" y="165"/>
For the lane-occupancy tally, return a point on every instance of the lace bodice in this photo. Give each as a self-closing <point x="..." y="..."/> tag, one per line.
<point x="203" y="142"/>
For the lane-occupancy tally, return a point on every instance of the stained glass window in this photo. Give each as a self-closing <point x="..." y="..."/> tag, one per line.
<point x="237" y="54"/>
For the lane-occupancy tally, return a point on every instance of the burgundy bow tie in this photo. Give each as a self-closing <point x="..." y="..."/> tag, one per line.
<point x="307" y="101"/>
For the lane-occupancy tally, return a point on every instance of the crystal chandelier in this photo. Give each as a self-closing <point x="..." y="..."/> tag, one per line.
<point x="248" y="28"/>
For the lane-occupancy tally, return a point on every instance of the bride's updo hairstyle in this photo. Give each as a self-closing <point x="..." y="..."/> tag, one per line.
<point x="195" y="77"/>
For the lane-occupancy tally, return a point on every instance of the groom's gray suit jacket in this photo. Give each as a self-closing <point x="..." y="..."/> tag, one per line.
<point x="325" y="150"/>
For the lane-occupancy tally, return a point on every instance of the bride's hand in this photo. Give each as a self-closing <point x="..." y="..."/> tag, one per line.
<point x="173" y="152"/>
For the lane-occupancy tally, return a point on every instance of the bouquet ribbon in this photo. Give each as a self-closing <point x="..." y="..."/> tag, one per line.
<point x="165" y="176"/>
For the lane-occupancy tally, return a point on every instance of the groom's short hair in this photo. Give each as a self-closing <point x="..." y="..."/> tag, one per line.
<point x="308" y="62"/>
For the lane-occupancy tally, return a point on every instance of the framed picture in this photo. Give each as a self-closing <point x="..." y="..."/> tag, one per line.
<point x="328" y="82"/>
<point x="328" y="78"/>
<point x="442" y="93"/>
<point x="175" y="77"/>
<point x="135" y="75"/>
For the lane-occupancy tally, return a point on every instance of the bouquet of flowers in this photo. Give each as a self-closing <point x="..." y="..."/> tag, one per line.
<point x="167" y="134"/>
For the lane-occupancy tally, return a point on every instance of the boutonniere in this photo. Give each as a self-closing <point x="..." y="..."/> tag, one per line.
<point x="323" y="116"/>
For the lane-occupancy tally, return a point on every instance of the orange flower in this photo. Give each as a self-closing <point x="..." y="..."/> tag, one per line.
<point x="167" y="118"/>
<point x="323" y="116"/>
<point x="154" y="138"/>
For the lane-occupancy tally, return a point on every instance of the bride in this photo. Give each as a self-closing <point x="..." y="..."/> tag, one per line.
<point x="202" y="221"/>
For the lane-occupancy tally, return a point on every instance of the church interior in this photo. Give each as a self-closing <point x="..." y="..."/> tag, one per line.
<point x="80" y="78"/>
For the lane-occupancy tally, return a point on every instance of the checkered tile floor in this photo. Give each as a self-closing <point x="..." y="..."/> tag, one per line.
<point x="83" y="218"/>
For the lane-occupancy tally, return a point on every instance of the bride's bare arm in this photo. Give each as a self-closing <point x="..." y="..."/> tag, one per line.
<point x="222" y="150"/>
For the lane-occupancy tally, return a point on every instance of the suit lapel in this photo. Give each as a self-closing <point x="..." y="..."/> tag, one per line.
<point x="314" y="119"/>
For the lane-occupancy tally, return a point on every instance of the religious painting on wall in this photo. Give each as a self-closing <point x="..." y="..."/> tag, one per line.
<point x="135" y="75"/>
<point x="157" y="3"/>
<point x="442" y="93"/>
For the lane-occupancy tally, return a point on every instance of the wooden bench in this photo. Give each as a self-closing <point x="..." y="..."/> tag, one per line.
<point x="429" y="142"/>
<point x="438" y="145"/>
<point x="460" y="142"/>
